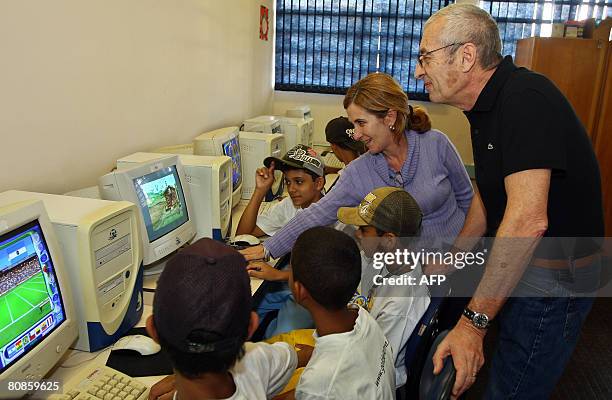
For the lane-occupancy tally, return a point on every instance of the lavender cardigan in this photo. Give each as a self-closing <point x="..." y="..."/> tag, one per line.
<point x="432" y="173"/>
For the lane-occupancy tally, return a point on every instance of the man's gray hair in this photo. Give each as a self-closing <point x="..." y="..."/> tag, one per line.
<point x="467" y="23"/>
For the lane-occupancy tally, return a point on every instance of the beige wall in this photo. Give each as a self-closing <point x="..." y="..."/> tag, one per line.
<point x="85" y="82"/>
<point x="324" y="107"/>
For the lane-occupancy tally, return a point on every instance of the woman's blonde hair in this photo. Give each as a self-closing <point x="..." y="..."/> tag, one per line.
<point x="378" y="93"/>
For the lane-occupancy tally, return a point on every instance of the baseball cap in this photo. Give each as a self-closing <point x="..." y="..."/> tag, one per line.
<point x="300" y="156"/>
<point x="340" y="131"/>
<point x="203" y="302"/>
<point x="389" y="209"/>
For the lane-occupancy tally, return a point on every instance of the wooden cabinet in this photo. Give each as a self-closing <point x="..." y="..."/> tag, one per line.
<point x="602" y="140"/>
<point x="582" y="70"/>
<point x="574" y="65"/>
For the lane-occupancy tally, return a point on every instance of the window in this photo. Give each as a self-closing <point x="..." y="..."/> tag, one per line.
<point x="324" y="46"/>
<point x="525" y="18"/>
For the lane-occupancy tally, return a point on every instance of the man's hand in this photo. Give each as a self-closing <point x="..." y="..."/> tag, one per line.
<point x="264" y="177"/>
<point x="262" y="270"/>
<point x="253" y="253"/>
<point x="304" y="353"/>
<point x="464" y="344"/>
<point x="163" y="390"/>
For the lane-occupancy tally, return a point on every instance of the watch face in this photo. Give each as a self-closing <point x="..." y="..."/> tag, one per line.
<point x="480" y="320"/>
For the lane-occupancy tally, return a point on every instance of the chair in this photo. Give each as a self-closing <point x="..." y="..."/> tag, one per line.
<point x="437" y="387"/>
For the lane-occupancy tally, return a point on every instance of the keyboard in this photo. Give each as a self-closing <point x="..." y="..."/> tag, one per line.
<point x="104" y="383"/>
<point x="331" y="160"/>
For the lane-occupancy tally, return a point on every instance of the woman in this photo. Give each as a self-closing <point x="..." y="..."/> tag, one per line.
<point x="403" y="151"/>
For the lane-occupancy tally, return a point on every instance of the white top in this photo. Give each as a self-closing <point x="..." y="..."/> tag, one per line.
<point x="263" y="372"/>
<point x="351" y="365"/>
<point x="277" y="216"/>
<point x="398" y="310"/>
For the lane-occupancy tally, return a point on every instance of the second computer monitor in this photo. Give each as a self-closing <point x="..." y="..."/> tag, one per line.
<point x="223" y="142"/>
<point x="164" y="200"/>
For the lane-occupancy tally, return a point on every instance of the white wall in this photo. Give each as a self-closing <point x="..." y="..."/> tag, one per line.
<point x="85" y="82"/>
<point x="324" y="107"/>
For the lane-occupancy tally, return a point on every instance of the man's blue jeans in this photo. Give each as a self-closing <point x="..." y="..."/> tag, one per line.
<point x="539" y="327"/>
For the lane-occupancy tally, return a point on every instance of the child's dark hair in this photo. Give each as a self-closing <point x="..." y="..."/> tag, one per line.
<point x="327" y="262"/>
<point x="193" y="365"/>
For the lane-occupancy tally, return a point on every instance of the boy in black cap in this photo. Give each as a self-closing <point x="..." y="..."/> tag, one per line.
<point x="351" y="359"/>
<point x="385" y="217"/>
<point x="304" y="176"/>
<point x="202" y="317"/>
<point x="339" y="133"/>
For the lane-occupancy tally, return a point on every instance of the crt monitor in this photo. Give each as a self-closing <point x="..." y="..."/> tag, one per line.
<point x="210" y="181"/>
<point x="223" y="142"/>
<point x="37" y="319"/>
<point x="159" y="190"/>
<point x="103" y="258"/>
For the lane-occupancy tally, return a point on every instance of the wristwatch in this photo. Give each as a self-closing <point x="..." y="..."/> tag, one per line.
<point x="479" y="320"/>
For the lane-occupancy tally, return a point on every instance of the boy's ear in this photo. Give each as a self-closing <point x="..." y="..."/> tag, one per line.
<point x="300" y="293"/>
<point x="150" y="327"/>
<point x="389" y="241"/>
<point x="253" y="324"/>
<point x="319" y="183"/>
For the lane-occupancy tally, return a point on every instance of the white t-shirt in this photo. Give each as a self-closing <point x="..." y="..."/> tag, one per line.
<point x="277" y="216"/>
<point x="263" y="371"/>
<point x="351" y="365"/>
<point x="397" y="310"/>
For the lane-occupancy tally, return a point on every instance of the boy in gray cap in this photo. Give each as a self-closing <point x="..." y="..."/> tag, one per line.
<point x="304" y="176"/>
<point x="384" y="218"/>
<point x="202" y="317"/>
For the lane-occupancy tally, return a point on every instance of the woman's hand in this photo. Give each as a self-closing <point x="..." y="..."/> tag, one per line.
<point x="253" y="253"/>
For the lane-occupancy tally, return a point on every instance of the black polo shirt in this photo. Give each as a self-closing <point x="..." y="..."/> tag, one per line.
<point x="522" y="121"/>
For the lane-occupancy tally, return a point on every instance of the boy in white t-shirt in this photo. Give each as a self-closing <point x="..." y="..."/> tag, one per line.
<point x="202" y="317"/>
<point x="383" y="217"/>
<point x="303" y="171"/>
<point x="352" y="359"/>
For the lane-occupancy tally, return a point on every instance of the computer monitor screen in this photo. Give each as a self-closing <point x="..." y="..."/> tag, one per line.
<point x="162" y="201"/>
<point x="31" y="304"/>
<point x="232" y="150"/>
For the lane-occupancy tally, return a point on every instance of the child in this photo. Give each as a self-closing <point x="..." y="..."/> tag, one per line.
<point x="202" y="317"/>
<point x="352" y="359"/>
<point x="304" y="175"/>
<point x="384" y="216"/>
<point x="338" y="133"/>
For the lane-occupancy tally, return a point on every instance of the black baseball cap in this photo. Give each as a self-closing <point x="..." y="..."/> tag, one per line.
<point x="300" y="156"/>
<point x="203" y="301"/>
<point x="340" y="131"/>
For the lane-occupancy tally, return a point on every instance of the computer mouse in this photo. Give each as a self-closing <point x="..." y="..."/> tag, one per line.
<point x="139" y="343"/>
<point x="246" y="240"/>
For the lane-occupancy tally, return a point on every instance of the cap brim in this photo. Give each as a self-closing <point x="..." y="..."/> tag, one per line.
<point x="279" y="164"/>
<point x="350" y="216"/>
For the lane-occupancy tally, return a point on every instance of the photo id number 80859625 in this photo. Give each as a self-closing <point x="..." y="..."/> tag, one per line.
<point x="43" y="385"/>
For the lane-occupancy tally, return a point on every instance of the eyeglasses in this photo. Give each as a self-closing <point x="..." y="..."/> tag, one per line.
<point x="423" y="55"/>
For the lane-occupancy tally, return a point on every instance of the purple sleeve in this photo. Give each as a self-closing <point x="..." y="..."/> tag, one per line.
<point x="458" y="176"/>
<point x="321" y="213"/>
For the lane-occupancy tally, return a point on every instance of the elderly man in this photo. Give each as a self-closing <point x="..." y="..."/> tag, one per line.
<point x="537" y="178"/>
